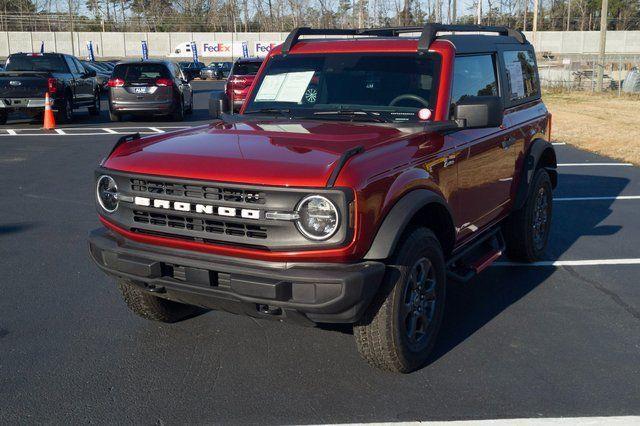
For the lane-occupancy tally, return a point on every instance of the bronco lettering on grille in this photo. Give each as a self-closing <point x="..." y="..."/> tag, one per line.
<point x="197" y="208"/>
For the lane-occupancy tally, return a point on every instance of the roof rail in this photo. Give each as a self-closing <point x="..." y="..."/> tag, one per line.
<point x="428" y="33"/>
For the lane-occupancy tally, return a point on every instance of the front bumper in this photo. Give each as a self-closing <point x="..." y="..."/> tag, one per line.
<point x="304" y="293"/>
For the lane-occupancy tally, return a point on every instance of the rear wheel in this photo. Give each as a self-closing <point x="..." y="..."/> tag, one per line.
<point x="95" y="108"/>
<point x="399" y="329"/>
<point x="65" y="111"/>
<point x="153" y="308"/>
<point x="526" y="231"/>
<point x="178" y="113"/>
<point x="114" y="116"/>
<point x="3" y="117"/>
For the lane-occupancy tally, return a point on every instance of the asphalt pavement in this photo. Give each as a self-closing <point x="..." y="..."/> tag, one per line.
<point x="518" y="341"/>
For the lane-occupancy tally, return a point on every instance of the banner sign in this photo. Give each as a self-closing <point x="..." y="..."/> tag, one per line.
<point x="92" y="57"/>
<point x="194" y="51"/>
<point x="145" y="50"/>
<point x="245" y="49"/>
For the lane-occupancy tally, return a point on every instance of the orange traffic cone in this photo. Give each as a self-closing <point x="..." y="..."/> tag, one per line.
<point x="49" y="119"/>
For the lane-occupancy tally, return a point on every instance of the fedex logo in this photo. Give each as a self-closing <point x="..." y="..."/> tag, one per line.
<point x="218" y="47"/>
<point x="264" y="48"/>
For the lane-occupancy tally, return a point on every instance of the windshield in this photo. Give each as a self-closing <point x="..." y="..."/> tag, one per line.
<point x="378" y="87"/>
<point x="52" y="63"/>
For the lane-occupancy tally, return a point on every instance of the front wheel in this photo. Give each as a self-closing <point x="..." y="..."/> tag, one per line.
<point x="398" y="331"/>
<point x="152" y="307"/>
<point x="526" y="231"/>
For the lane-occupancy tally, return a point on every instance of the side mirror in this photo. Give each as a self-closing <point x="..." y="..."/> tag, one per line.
<point x="476" y="112"/>
<point x="89" y="73"/>
<point x="218" y="104"/>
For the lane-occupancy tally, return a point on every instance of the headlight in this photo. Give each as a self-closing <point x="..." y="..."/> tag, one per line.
<point x="107" y="193"/>
<point x="318" y="217"/>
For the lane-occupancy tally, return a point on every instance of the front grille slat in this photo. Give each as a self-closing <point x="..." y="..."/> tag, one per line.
<point x="199" y="225"/>
<point x="221" y="193"/>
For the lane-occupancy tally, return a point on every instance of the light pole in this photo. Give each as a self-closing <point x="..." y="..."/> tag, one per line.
<point x="603" y="42"/>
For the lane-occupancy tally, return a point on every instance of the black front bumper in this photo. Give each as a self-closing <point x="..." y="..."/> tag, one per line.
<point x="306" y="293"/>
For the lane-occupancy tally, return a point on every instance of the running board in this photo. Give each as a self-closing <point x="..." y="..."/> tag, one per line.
<point x="477" y="257"/>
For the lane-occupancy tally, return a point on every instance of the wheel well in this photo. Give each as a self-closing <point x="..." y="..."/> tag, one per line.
<point x="436" y="217"/>
<point x="549" y="162"/>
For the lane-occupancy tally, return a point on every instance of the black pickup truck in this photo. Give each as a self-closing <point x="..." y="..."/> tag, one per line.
<point x="29" y="76"/>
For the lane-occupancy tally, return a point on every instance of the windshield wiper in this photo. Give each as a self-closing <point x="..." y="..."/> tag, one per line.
<point x="285" y="112"/>
<point x="353" y="113"/>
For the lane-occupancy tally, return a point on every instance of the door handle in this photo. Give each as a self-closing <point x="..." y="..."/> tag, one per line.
<point x="508" y="142"/>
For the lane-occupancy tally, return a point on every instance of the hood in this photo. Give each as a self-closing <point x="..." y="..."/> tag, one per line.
<point x="282" y="153"/>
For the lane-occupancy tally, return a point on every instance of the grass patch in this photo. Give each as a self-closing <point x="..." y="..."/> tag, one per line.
<point x="599" y="122"/>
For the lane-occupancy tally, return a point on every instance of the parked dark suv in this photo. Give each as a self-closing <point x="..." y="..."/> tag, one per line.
<point x="413" y="162"/>
<point x="149" y="88"/>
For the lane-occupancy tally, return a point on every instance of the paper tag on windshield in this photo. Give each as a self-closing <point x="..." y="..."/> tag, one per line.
<point x="294" y="86"/>
<point x="288" y="87"/>
<point x="270" y="87"/>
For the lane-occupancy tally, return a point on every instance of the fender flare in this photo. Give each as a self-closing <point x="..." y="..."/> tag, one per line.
<point x="530" y="165"/>
<point x="398" y="218"/>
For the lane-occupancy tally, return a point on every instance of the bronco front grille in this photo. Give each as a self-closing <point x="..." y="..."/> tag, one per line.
<point x="214" y="193"/>
<point x="217" y="212"/>
<point x="162" y="220"/>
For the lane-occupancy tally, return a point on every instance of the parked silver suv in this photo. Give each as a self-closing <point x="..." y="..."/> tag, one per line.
<point x="149" y="87"/>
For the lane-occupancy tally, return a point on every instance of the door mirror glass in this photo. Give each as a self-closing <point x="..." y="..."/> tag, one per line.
<point x="473" y="112"/>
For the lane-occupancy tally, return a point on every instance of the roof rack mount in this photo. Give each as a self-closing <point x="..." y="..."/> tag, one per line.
<point x="428" y="33"/>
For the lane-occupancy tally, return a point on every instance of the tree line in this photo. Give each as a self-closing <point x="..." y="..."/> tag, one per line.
<point x="283" y="15"/>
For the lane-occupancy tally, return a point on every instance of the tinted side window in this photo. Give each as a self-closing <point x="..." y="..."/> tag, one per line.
<point x="474" y="76"/>
<point x="72" y="65"/>
<point x="79" y="66"/>
<point x="522" y="80"/>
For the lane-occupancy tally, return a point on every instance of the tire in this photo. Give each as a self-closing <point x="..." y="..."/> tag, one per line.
<point x="383" y="335"/>
<point x="115" y="117"/>
<point x="526" y="231"/>
<point x="65" y="112"/>
<point x="178" y="114"/>
<point x="95" y="109"/>
<point x="3" y="117"/>
<point x="154" y="308"/>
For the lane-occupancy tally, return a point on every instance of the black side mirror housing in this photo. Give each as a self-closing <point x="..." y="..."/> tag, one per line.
<point x="218" y="104"/>
<point x="476" y="112"/>
<point x="89" y="73"/>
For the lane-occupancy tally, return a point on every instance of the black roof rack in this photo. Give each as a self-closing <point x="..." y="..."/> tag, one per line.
<point x="428" y="33"/>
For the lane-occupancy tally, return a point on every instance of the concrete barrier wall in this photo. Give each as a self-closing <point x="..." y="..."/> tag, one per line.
<point x="119" y="45"/>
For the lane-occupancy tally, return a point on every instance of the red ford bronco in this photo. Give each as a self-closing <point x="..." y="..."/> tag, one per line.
<point x="361" y="174"/>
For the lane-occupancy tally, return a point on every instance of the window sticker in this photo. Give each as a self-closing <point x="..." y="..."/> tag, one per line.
<point x="516" y="82"/>
<point x="289" y="87"/>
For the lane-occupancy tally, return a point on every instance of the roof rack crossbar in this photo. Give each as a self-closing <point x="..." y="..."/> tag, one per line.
<point x="428" y="33"/>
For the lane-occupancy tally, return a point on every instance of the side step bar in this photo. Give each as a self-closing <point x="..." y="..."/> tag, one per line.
<point x="477" y="257"/>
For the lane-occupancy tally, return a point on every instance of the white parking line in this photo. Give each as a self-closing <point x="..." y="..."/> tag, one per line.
<point x="593" y="164"/>
<point x="588" y="262"/>
<point x="558" y="143"/>
<point x="619" y="197"/>
<point x="91" y="131"/>
<point x="537" y="421"/>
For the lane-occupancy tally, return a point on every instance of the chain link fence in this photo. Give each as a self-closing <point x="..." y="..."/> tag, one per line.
<point x="580" y="72"/>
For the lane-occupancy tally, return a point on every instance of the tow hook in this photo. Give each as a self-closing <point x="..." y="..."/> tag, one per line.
<point x="155" y="289"/>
